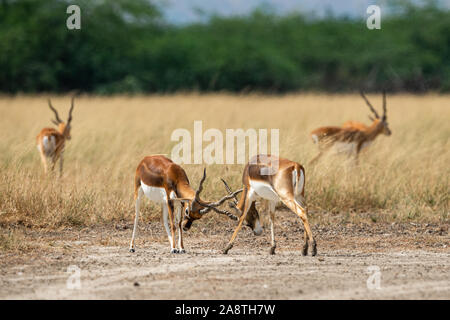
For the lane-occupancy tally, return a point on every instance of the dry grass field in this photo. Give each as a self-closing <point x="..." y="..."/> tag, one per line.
<point x="404" y="177"/>
<point x="391" y="210"/>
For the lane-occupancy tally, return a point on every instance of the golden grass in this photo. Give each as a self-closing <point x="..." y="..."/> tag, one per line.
<point x="401" y="177"/>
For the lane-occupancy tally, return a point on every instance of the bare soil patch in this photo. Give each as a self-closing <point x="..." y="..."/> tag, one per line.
<point x="414" y="261"/>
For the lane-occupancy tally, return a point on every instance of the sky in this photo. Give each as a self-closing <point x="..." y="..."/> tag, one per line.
<point x="187" y="11"/>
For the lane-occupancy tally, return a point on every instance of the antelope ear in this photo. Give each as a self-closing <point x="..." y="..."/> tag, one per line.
<point x="371" y="118"/>
<point x="55" y="122"/>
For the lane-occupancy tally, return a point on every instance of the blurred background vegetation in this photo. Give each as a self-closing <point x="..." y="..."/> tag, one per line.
<point x="128" y="47"/>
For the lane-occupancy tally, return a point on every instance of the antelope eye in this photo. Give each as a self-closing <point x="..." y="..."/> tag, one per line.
<point x="186" y="211"/>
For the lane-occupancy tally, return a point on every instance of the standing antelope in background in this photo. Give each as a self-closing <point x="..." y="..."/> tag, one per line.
<point x="353" y="136"/>
<point x="165" y="182"/>
<point x="262" y="180"/>
<point x="51" y="142"/>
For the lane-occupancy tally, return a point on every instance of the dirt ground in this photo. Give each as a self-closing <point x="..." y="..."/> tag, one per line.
<point x="413" y="262"/>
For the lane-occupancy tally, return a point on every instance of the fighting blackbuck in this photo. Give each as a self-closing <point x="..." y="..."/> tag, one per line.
<point x="51" y="142"/>
<point x="272" y="179"/>
<point x="353" y="136"/>
<point x="165" y="182"/>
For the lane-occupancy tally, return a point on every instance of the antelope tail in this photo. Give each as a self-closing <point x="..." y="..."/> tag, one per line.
<point x="298" y="179"/>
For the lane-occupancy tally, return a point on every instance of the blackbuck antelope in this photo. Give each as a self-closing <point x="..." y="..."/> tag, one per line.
<point x="272" y="179"/>
<point x="353" y="136"/>
<point x="51" y="142"/>
<point x="166" y="183"/>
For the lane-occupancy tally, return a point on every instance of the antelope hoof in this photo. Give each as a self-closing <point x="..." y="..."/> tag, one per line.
<point x="132" y="250"/>
<point x="225" y="251"/>
<point x="182" y="251"/>
<point x="272" y="250"/>
<point x="174" y="251"/>
<point x="305" y="249"/>
<point x="314" y="249"/>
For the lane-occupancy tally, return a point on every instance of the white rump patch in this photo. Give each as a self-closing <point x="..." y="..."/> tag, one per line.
<point x="300" y="183"/>
<point x="294" y="179"/>
<point x="49" y="144"/>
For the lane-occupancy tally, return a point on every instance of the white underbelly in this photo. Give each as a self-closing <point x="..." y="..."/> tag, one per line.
<point x="263" y="190"/>
<point x="156" y="194"/>
<point x="366" y="144"/>
<point x="344" y="147"/>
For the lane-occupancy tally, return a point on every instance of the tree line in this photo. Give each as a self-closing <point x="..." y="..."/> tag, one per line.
<point x="127" y="47"/>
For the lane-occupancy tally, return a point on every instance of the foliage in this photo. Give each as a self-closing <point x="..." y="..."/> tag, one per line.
<point x="125" y="47"/>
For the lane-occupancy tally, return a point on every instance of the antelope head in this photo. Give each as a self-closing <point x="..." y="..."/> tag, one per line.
<point x="252" y="218"/>
<point x="380" y="122"/>
<point x="63" y="127"/>
<point x="196" y="208"/>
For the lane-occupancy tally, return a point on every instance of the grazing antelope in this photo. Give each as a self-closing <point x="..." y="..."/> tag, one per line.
<point x="353" y="136"/>
<point x="166" y="183"/>
<point x="262" y="180"/>
<point x="51" y="142"/>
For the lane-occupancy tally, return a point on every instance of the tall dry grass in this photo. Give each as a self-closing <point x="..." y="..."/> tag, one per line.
<point x="401" y="177"/>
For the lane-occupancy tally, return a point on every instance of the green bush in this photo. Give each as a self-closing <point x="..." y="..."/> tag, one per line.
<point x="125" y="46"/>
